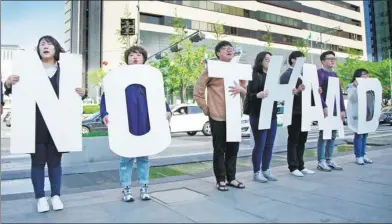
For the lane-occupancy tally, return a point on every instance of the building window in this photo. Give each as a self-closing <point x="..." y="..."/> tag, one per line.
<point x="217" y="7"/>
<point x="210" y="6"/>
<point x="195" y="25"/>
<point x="202" y="4"/>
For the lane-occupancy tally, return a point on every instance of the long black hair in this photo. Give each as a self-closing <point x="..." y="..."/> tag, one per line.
<point x="57" y="47"/>
<point x="358" y="73"/>
<point x="258" y="66"/>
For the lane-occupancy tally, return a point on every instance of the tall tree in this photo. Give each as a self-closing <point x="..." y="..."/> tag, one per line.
<point x="267" y="37"/>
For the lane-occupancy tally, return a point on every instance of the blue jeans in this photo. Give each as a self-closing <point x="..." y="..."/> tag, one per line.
<point x="325" y="147"/>
<point x="264" y="143"/>
<point x="360" y="144"/>
<point x="126" y="167"/>
<point x="46" y="153"/>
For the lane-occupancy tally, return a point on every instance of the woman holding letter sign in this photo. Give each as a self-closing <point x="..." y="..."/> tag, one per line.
<point x="225" y="153"/>
<point x="360" y="139"/>
<point x="264" y="139"/>
<point x="139" y="124"/>
<point x="48" y="50"/>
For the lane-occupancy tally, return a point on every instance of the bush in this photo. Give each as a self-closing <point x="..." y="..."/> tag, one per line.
<point x="90" y="109"/>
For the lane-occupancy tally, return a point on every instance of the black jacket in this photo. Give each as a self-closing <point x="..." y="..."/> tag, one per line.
<point x="254" y="87"/>
<point x="297" y="103"/>
<point x="42" y="134"/>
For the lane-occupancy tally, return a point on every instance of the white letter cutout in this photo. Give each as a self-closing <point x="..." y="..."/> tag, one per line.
<point x="62" y="115"/>
<point x="332" y="122"/>
<point x="121" y="141"/>
<point x="278" y="92"/>
<point x="231" y="72"/>
<point x="311" y="113"/>
<point x="360" y="125"/>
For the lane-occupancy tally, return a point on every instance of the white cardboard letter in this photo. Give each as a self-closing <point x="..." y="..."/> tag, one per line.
<point x="311" y="113"/>
<point x="332" y="122"/>
<point x="231" y="72"/>
<point x="365" y="85"/>
<point x="62" y="115"/>
<point x="278" y="92"/>
<point x="121" y="141"/>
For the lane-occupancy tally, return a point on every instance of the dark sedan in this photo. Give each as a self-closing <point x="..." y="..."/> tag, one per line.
<point x="93" y="123"/>
<point x="386" y="116"/>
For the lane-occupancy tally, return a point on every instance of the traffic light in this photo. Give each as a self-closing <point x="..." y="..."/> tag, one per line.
<point x="158" y="56"/>
<point x="197" y="37"/>
<point x="175" y="48"/>
<point x="127" y="27"/>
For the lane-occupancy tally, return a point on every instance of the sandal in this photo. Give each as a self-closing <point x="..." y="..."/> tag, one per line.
<point x="221" y="187"/>
<point x="239" y="185"/>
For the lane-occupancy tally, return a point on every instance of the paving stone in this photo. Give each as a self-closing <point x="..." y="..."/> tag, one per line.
<point x="142" y="211"/>
<point x="177" y="195"/>
<point x="208" y="211"/>
<point x="373" y="199"/>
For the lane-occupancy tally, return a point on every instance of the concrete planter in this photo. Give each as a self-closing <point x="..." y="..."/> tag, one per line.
<point x="95" y="149"/>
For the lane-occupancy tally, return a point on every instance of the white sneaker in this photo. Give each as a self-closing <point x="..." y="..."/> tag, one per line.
<point x="360" y="161"/>
<point x="42" y="205"/>
<point x="57" y="204"/>
<point x="297" y="173"/>
<point x="306" y="171"/>
<point x="367" y="160"/>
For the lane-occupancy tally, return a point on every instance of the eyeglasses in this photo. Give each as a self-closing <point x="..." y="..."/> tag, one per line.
<point x="331" y="59"/>
<point x="227" y="49"/>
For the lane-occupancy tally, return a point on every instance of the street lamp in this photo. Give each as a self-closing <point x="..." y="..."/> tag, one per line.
<point x="327" y="30"/>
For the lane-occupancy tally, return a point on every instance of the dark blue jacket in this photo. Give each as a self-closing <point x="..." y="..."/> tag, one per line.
<point x="138" y="119"/>
<point x="1" y="94"/>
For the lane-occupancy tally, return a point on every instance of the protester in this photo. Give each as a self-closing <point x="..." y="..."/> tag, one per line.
<point x="325" y="147"/>
<point x="296" y="138"/>
<point x="359" y="139"/>
<point x="48" y="50"/>
<point x="139" y="124"/>
<point x="264" y="139"/>
<point x="225" y="153"/>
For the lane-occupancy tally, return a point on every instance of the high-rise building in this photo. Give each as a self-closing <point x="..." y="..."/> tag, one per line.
<point x="326" y="25"/>
<point x="378" y="18"/>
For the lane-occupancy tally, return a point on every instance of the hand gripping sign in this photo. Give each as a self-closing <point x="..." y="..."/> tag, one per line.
<point x="358" y="108"/>
<point x="121" y="141"/>
<point x="62" y="115"/>
<point x="231" y="72"/>
<point x="278" y="92"/>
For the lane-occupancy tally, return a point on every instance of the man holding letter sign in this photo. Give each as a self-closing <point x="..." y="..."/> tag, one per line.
<point x="325" y="147"/>
<point x="49" y="98"/>
<point x="364" y="104"/>
<point x="132" y="119"/>
<point x="225" y="150"/>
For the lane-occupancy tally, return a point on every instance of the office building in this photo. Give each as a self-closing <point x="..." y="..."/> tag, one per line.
<point x="327" y="25"/>
<point x="378" y="18"/>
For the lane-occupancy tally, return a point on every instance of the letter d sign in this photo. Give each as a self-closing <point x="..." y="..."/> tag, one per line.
<point x="121" y="141"/>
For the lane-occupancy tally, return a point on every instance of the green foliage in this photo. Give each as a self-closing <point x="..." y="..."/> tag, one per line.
<point x="95" y="134"/>
<point x="181" y="69"/>
<point x="95" y="76"/>
<point x="379" y="70"/>
<point x="90" y="109"/>
<point x="302" y="46"/>
<point x="267" y="38"/>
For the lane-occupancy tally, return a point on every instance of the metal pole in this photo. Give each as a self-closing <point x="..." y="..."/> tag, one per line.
<point x="311" y="55"/>
<point x="128" y="41"/>
<point x="138" y="23"/>
<point x="390" y="72"/>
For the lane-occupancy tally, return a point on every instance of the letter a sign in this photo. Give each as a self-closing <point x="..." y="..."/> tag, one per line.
<point x="62" y="115"/>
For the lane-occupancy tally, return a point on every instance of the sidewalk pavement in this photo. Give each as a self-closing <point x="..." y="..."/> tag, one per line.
<point x="357" y="194"/>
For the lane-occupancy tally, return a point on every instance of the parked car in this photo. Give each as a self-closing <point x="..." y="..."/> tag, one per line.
<point x="93" y="123"/>
<point x="386" y="116"/>
<point x="189" y="118"/>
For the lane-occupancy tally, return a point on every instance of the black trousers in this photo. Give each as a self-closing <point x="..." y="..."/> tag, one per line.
<point x="225" y="153"/>
<point x="296" y="144"/>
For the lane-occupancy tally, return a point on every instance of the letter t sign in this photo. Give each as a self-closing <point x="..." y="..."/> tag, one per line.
<point x="230" y="73"/>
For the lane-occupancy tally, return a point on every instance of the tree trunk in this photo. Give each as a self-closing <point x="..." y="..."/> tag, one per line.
<point x="182" y="98"/>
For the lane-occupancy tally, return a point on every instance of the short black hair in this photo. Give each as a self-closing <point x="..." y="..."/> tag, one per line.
<point x="135" y="49"/>
<point x="294" y="55"/>
<point x="324" y="55"/>
<point x="57" y="47"/>
<point x="358" y="73"/>
<point x="258" y="66"/>
<point x="221" y="44"/>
